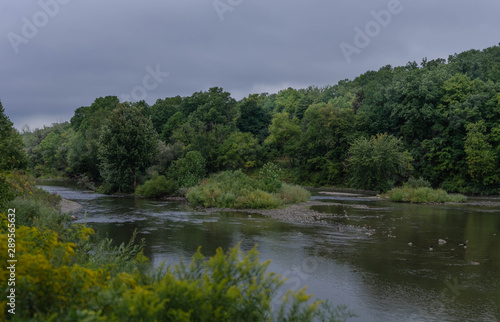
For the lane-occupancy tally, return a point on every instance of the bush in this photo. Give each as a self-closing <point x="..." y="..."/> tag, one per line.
<point x="5" y="191"/>
<point x="270" y="177"/>
<point x="21" y="184"/>
<point x="188" y="171"/>
<point x="39" y="214"/>
<point x="257" y="199"/>
<point x="423" y="195"/>
<point x="34" y="206"/>
<point x="293" y="194"/>
<point x="236" y="190"/>
<point x="157" y="187"/>
<point x="417" y="183"/>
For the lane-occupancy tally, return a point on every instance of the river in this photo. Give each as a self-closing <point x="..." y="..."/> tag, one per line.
<point x="372" y="255"/>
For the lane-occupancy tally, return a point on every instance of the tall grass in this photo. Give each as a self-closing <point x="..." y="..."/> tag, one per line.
<point x="38" y="213"/>
<point x="423" y="195"/>
<point x="236" y="190"/>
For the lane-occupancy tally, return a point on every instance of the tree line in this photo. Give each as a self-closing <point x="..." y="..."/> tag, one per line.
<point x="438" y="120"/>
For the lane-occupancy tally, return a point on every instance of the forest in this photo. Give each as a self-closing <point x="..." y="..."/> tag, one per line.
<point x="438" y="120"/>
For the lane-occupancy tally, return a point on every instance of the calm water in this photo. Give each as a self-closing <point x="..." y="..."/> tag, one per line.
<point x="359" y="256"/>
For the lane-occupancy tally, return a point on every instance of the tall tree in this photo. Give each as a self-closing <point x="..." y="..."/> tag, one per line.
<point x="254" y="118"/>
<point x="239" y="150"/>
<point x="127" y="146"/>
<point x="378" y="163"/>
<point x="214" y="107"/>
<point x="83" y="153"/>
<point x="481" y="158"/>
<point x="284" y="134"/>
<point x="12" y="155"/>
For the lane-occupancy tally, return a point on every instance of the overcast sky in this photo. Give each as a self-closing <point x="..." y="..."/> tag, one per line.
<point x="58" y="55"/>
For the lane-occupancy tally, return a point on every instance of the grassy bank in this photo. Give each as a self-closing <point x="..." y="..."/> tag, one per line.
<point x="237" y="190"/>
<point x="422" y="195"/>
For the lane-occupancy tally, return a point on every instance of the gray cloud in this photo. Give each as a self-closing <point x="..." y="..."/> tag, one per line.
<point x="96" y="48"/>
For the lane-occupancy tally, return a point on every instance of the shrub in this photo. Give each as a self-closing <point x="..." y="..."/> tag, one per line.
<point x="188" y="171"/>
<point x="157" y="186"/>
<point x="46" y="282"/>
<point x="257" y="199"/>
<point x="293" y="194"/>
<point x="269" y="176"/>
<point x="21" y="184"/>
<point x="5" y="191"/>
<point x="39" y="214"/>
<point x="423" y="195"/>
<point x="236" y="190"/>
<point x="417" y="183"/>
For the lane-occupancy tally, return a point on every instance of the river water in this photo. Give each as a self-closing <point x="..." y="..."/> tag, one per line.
<point x="372" y="255"/>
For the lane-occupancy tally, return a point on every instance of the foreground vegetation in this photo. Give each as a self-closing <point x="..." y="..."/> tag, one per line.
<point x="237" y="190"/>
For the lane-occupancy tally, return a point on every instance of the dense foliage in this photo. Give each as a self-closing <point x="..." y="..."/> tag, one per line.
<point x="158" y="186"/>
<point x="12" y="155"/>
<point x="423" y="195"/>
<point x="440" y="119"/>
<point x="377" y="163"/>
<point x="127" y="147"/>
<point x="236" y="190"/>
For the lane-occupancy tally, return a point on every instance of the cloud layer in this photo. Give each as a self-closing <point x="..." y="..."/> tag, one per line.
<point x="58" y="55"/>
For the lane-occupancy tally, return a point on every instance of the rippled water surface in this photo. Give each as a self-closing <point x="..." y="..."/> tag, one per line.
<point x="373" y="255"/>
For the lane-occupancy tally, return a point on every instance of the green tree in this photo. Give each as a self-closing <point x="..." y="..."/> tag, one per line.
<point x="215" y="107"/>
<point x="12" y="155"/>
<point x="328" y="132"/>
<point x="127" y="146"/>
<point x="174" y="122"/>
<point x="83" y="146"/>
<point x="188" y="171"/>
<point x="163" y="110"/>
<point x="284" y="134"/>
<point x="287" y="101"/>
<point x="481" y="158"/>
<point x="239" y="150"/>
<point x="378" y="163"/>
<point x="254" y="118"/>
<point x="53" y="149"/>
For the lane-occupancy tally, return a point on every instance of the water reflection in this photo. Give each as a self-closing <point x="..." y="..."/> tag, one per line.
<point x="359" y="256"/>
